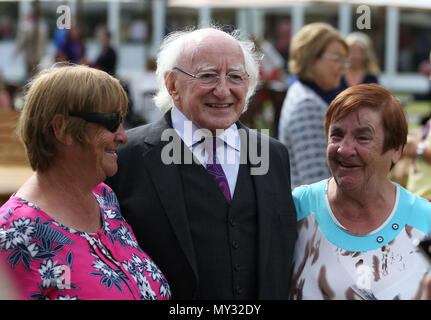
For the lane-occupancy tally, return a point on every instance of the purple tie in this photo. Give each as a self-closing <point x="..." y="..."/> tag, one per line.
<point x="216" y="171"/>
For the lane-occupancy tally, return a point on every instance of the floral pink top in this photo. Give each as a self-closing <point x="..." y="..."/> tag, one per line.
<point x="48" y="260"/>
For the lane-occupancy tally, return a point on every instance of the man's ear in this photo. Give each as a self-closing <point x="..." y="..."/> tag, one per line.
<point x="57" y="125"/>
<point x="171" y="85"/>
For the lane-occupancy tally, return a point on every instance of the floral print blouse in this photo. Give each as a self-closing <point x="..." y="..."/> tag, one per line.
<point x="47" y="260"/>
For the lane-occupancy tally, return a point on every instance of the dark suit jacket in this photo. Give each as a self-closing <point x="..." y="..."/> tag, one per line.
<point x="152" y="201"/>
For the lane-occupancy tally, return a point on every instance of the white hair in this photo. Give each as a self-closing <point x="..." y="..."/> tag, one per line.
<point x="172" y="47"/>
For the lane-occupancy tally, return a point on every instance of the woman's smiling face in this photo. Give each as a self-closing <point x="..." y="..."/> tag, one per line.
<point x="355" y="150"/>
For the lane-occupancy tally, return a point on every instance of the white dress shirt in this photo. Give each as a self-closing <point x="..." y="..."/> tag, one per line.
<point x="228" y="145"/>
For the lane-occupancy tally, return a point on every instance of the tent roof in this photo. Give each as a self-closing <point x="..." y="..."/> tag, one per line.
<point x="422" y="4"/>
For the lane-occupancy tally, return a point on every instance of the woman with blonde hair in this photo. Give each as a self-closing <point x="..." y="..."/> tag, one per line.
<point x="318" y="58"/>
<point x="62" y="235"/>
<point x="364" y="66"/>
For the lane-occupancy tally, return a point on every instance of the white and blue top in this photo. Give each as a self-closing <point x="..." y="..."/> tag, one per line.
<point x="330" y="263"/>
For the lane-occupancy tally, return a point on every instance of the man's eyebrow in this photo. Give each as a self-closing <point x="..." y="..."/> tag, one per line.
<point x="213" y="68"/>
<point x="207" y="68"/>
<point x="238" y="68"/>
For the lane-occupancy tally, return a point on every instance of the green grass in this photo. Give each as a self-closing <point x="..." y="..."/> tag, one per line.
<point x="419" y="107"/>
<point x="415" y="111"/>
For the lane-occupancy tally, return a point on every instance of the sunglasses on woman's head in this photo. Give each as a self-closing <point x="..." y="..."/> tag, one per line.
<point x="109" y="120"/>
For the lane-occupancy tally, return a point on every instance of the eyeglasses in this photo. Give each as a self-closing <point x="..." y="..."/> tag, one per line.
<point x="344" y="61"/>
<point x="235" y="78"/>
<point x="109" y="120"/>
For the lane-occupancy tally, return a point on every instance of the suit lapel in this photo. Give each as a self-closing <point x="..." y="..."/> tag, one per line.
<point x="167" y="181"/>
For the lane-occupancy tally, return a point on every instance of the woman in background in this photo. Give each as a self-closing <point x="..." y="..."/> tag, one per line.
<point x="318" y="58"/>
<point x="363" y="67"/>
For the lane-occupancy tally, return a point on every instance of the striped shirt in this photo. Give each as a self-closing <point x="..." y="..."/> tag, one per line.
<point x="301" y="129"/>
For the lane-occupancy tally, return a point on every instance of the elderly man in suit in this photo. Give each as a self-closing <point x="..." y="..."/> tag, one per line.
<point x="218" y="229"/>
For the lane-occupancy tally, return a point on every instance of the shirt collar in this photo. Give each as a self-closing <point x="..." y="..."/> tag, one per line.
<point x="184" y="126"/>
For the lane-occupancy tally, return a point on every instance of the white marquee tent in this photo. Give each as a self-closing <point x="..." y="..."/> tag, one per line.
<point x="254" y="10"/>
<point x="422" y="4"/>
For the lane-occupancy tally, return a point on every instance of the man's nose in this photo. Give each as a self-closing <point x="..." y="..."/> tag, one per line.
<point x="222" y="88"/>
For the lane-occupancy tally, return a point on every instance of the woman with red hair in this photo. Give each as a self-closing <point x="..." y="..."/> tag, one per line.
<point x="358" y="231"/>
